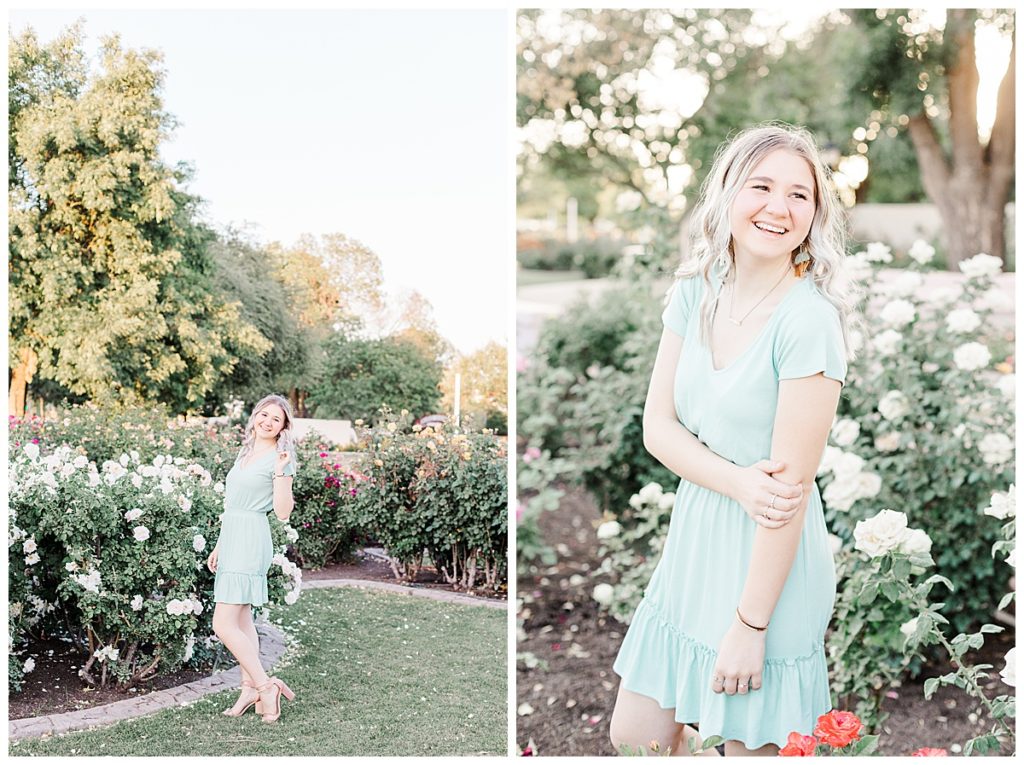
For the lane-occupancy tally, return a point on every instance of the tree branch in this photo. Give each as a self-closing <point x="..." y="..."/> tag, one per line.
<point x="1002" y="143"/>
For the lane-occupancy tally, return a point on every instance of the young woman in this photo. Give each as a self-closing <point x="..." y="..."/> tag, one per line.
<point x="744" y="389"/>
<point x="258" y="482"/>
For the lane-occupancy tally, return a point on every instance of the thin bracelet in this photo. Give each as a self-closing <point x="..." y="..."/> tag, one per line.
<point x="759" y="629"/>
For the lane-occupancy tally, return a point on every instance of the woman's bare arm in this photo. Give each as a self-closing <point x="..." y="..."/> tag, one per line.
<point x="803" y="417"/>
<point x="682" y="452"/>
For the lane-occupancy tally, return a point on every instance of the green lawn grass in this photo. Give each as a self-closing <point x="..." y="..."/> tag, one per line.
<point x="374" y="674"/>
<point x="527" y="276"/>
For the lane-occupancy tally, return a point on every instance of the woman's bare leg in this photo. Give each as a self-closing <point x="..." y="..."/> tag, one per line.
<point x="638" y="721"/>
<point x="247" y="624"/>
<point x="226" y="620"/>
<point x="737" y="749"/>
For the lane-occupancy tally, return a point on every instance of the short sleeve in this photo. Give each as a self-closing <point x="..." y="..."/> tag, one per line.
<point x="810" y="340"/>
<point x="681" y="303"/>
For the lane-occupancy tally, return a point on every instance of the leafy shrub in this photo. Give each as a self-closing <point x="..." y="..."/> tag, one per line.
<point x="928" y="407"/>
<point x="438" y="491"/>
<point x="117" y="553"/>
<point x="594" y="257"/>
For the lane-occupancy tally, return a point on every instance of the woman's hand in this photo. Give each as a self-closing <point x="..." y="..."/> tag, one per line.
<point x="211" y="562"/>
<point x="283" y="458"/>
<point x="754" y="490"/>
<point x="740" y="660"/>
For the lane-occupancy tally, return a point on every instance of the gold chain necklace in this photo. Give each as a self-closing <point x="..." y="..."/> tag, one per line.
<point x="739" y="322"/>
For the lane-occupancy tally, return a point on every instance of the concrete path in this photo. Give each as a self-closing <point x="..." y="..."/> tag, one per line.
<point x="272" y="648"/>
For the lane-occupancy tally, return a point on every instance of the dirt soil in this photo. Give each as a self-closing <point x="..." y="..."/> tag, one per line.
<point x="571" y="688"/>
<point x="54" y="686"/>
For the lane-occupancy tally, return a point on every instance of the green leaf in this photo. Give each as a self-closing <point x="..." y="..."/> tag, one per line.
<point x="891" y="590"/>
<point x="712" y="741"/>
<point x="939" y="578"/>
<point x="868" y="593"/>
<point x="991" y="628"/>
<point x="930" y="686"/>
<point x="1005" y="600"/>
<point x="864" y="746"/>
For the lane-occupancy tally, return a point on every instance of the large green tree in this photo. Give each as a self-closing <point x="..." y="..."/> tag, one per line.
<point x="110" y="292"/>
<point x="359" y="376"/>
<point x="924" y="80"/>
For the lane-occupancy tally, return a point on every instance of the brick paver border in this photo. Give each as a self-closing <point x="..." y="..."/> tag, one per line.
<point x="272" y="648"/>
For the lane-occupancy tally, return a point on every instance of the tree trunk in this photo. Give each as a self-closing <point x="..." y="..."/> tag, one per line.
<point x="21" y="376"/>
<point x="971" y="185"/>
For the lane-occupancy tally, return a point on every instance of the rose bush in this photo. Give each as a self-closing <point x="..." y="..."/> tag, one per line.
<point x="437" y="491"/>
<point x="118" y="553"/>
<point x="932" y="396"/>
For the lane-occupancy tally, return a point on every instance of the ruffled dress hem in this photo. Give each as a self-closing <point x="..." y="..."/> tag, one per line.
<point x="239" y="588"/>
<point x="661" y="662"/>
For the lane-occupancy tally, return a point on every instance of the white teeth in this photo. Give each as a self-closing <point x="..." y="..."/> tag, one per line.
<point x="768" y="227"/>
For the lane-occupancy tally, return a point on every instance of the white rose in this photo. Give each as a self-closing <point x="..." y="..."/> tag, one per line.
<point x="132" y="514"/>
<point x="667" y="501"/>
<point x="218" y="487"/>
<point x="829" y="458"/>
<point x="136" y="603"/>
<point x="1006" y="384"/>
<point x="198" y="543"/>
<point x="906" y="283"/>
<point x="1003" y="505"/>
<point x="1009" y="672"/>
<point x="993" y="299"/>
<point x="915" y="541"/>
<point x="981" y="265"/>
<point x="608" y="530"/>
<point x="847" y="465"/>
<point x="962" y="321"/>
<point x="31" y="451"/>
<point x="858" y="267"/>
<point x="880" y="533"/>
<point x="868" y="485"/>
<point x="184" y="503"/>
<point x="996" y="448"/>
<point x="887" y="342"/>
<point x="190" y="644"/>
<point x="879" y="253"/>
<point x="650" y="493"/>
<point x="929" y="367"/>
<point x="845" y="432"/>
<point x="971" y="356"/>
<point x="841" y="493"/>
<point x="176" y="607"/>
<point x="29" y="545"/>
<point x="194" y="605"/>
<point x="291" y="597"/>
<point x="909" y="628"/>
<point x="894" y="406"/>
<point x="31" y="560"/>
<point x="291" y="534"/>
<point x="136" y="480"/>
<point x="141" y="533"/>
<point x="898" y="313"/>
<point x="604" y="593"/>
<point x="921" y="251"/>
<point x="888" y="442"/>
<point x="72" y="566"/>
<point x="80" y="461"/>
<point x="29" y="665"/>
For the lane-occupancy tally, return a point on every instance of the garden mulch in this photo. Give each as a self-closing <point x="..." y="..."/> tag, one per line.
<point x="54" y="686"/>
<point x="571" y="690"/>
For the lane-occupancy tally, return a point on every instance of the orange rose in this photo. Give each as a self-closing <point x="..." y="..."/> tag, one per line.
<point x="927" y="751"/>
<point x="798" y="745"/>
<point x="838" y="728"/>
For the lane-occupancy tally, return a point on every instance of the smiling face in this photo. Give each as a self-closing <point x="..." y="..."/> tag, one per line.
<point x="269" y="421"/>
<point x="772" y="212"/>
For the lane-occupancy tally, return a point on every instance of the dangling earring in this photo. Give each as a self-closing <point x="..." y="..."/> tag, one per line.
<point x="802" y="261"/>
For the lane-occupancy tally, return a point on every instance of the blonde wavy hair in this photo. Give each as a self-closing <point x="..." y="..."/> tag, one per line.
<point x="285" y="439"/>
<point x="711" y="232"/>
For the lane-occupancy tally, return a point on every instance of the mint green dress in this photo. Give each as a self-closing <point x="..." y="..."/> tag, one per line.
<point x="669" y="651"/>
<point x="245" y="548"/>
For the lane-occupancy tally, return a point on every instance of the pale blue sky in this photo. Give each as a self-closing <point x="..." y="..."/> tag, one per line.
<point x="389" y="126"/>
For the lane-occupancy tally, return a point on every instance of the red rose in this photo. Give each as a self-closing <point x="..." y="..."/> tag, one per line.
<point x="798" y="745"/>
<point x="927" y="751"/>
<point x="838" y="728"/>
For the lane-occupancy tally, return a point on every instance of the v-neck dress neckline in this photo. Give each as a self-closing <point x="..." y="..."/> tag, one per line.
<point x="761" y="333"/>
<point x="254" y="460"/>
